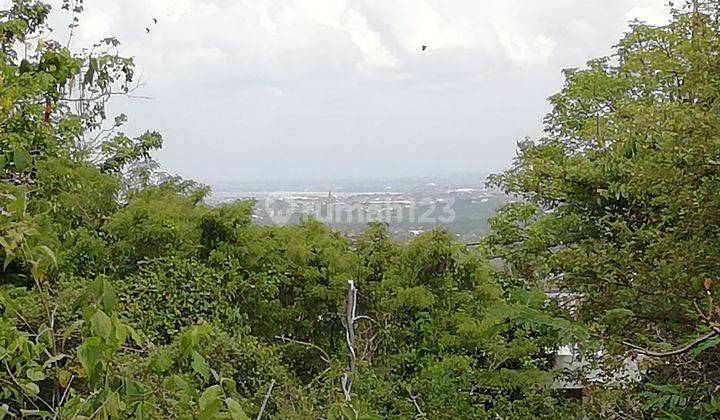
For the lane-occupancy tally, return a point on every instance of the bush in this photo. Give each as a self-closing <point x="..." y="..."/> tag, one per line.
<point x="165" y="296"/>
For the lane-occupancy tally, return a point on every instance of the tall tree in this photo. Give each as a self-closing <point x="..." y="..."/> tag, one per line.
<point x="621" y="203"/>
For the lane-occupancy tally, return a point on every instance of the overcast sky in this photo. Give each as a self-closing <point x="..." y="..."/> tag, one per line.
<point x="247" y="90"/>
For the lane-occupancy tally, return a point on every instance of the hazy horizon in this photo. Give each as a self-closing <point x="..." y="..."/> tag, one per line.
<point x="363" y="183"/>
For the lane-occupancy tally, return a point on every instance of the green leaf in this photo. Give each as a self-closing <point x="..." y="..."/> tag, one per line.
<point x="531" y="298"/>
<point x="348" y="412"/>
<point x="235" y="410"/>
<point x="617" y="314"/>
<point x="89" y="354"/>
<point x="95" y="290"/>
<point x="111" y="406"/>
<point x="210" y="402"/>
<point x="8" y="259"/>
<point x="133" y="390"/>
<point x="229" y="384"/>
<point x="109" y="296"/>
<point x="178" y="383"/>
<point x="200" y="365"/>
<point x="101" y="289"/>
<point x="120" y="330"/>
<point x="90" y="74"/>
<point x="706" y="345"/>
<point x="22" y="159"/>
<point x="48" y="252"/>
<point x="35" y="374"/>
<point x="162" y="363"/>
<point x="51" y="361"/>
<point x="100" y="324"/>
<point x="134" y="335"/>
<point x="8" y="303"/>
<point x="4" y="410"/>
<point x="6" y="246"/>
<point x="141" y="412"/>
<point x="31" y="388"/>
<point x="34" y="413"/>
<point x="18" y="206"/>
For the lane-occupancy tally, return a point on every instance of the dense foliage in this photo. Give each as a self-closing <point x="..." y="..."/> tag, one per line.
<point x="123" y="295"/>
<point x="621" y="203"/>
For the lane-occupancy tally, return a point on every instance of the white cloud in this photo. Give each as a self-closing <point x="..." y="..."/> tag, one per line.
<point x="337" y="15"/>
<point x="303" y="79"/>
<point x="526" y="51"/>
<point x="372" y="39"/>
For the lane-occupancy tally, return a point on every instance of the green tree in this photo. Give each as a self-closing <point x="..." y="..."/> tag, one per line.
<point x="123" y="295"/>
<point x="620" y="200"/>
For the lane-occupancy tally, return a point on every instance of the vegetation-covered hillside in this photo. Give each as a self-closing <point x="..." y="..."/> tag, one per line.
<point x="122" y="295"/>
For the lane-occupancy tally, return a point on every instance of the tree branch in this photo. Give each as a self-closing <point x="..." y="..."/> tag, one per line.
<point x="675" y="352"/>
<point x="265" y="400"/>
<point x="350" y="318"/>
<point x="413" y="398"/>
<point x="325" y="358"/>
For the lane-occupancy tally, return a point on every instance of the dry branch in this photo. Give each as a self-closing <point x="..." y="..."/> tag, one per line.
<point x="675" y="352"/>
<point x="265" y="400"/>
<point x="350" y="318"/>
